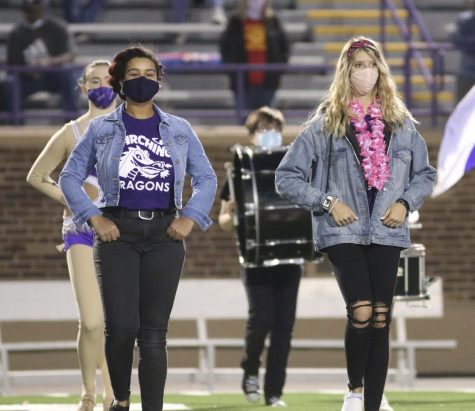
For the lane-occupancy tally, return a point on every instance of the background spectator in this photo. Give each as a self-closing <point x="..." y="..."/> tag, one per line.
<point x="180" y="10"/>
<point x="254" y="34"/>
<point x="464" y="39"/>
<point x="40" y="40"/>
<point x="77" y="11"/>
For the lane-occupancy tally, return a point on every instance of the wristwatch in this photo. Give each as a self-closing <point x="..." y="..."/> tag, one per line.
<point x="328" y="202"/>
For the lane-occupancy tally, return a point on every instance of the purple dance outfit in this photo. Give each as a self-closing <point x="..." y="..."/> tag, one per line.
<point x="80" y="237"/>
<point x="71" y="233"/>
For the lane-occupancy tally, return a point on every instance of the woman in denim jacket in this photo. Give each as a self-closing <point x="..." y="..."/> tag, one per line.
<point x="361" y="166"/>
<point x="141" y="155"/>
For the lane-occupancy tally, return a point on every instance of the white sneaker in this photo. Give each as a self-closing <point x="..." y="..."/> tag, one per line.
<point x="219" y="16"/>
<point x="275" y="402"/>
<point x="353" y="402"/>
<point x="250" y="386"/>
<point x="385" y="405"/>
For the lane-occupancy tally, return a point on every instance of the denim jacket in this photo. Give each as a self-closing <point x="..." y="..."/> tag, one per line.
<point x="302" y="176"/>
<point x="102" y="145"/>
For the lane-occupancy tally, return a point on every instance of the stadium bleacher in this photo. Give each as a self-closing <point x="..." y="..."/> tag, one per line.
<point x="316" y="28"/>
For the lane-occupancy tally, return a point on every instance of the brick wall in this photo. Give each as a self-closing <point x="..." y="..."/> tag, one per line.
<point x="30" y="224"/>
<point x="448" y="235"/>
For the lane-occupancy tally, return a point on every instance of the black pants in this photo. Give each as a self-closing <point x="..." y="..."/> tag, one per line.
<point x="272" y="295"/>
<point x="367" y="273"/>
<point x="138" y="277"/>
<point x="62" y="82"/>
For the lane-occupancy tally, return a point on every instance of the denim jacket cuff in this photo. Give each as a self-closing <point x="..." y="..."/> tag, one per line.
<point x="81" y="217"/>
<point x="198" y="217"/>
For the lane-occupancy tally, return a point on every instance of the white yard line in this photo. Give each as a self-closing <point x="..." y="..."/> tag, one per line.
<point x="73" y="407"/>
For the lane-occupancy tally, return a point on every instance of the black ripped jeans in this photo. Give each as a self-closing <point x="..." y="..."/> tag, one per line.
<point x="138" y="277"/>
<point x="367" y="273"/>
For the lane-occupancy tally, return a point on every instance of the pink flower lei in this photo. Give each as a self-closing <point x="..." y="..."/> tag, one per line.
<point x="375" y="161"/>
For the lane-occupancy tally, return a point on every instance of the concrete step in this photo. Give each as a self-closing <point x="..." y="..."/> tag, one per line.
<point x="308" y="52"/>
<point x="391" y="47"/>
<point x="352" y="14"/>
<point x="420" y="4"/>
<point x="327" y="53"/>
<point x="196" y="81"/>
<point x="307" y="81"/>
<point x="352" y="30"/>
<point x="287" y="97"/>
<point x="318" y="4"/>
<point x="300" y="47"/>
<point x="335" y="32"/>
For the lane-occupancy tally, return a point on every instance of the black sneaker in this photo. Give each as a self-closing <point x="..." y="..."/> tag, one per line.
<point x="117" y="407"/>
<point x="250" y="386"/>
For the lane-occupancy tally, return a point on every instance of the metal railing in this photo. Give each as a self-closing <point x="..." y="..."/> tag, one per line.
<point x="433" y="77"/>
<point x="12" y="89"/>
<point x="16" y="115"/>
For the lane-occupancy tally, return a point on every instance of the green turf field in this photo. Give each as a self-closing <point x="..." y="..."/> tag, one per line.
<point x="401" y="401"/>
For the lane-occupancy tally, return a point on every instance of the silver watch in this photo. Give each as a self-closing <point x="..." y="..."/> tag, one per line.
<point x="328" y="202"/>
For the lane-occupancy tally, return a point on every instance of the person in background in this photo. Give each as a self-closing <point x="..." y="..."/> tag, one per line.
<point x="142" y="156"/>
<point x="181" y="7"/>
<point x="219" y="14"/>
<point x="271" y="291"/>
<point x="362" y="138"/>
<point x="78" y="240"/>
<point x="255" y="35"/>
<point x="42" y="41"/>
<point x="464" y="39"/>
<point x="77" y="11"/>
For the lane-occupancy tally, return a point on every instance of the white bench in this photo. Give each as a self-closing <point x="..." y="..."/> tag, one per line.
<point x="318" y="298"/>
<point x="202" y="300"/>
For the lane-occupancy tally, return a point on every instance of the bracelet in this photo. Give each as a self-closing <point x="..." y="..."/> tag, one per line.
<point x="333" y="205"/>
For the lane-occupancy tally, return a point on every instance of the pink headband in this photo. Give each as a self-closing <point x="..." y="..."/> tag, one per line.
<point x="358" y="45"/>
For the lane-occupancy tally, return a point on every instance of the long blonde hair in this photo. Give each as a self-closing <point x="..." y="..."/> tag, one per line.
<point x="334" y="107"/>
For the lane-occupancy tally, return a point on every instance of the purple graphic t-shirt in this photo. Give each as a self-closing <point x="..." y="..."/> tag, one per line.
<point x="145" y="169"/>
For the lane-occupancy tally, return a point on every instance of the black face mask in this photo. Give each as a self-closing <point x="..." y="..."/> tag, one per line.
<point x="140" y="89"/>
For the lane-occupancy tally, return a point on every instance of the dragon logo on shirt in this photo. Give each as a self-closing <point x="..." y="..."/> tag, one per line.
<point x="136" y="161"/>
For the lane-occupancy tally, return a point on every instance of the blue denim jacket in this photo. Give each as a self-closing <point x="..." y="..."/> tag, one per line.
<point x="302" y="175"/>
<point x="102" y="145"/>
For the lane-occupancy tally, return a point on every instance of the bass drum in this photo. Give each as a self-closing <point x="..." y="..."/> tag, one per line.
<point x="270" y="229"/>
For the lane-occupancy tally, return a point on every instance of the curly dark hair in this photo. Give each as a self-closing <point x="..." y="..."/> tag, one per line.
<point x="119" y="63"/>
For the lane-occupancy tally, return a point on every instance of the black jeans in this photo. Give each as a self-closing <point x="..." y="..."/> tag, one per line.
<point x="272" y="295"/>
<point x="367" y="273"/>
<point x="62" y="82"/>
<point x="138" y="277"/>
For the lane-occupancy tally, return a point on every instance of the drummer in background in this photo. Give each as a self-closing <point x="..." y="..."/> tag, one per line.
<point x="271" y="291"/>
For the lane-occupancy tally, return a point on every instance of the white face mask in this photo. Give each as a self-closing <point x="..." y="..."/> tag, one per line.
<point x="255" y="9"/>
<point x="364" y="80"/>
<point x="268" y="138"/>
